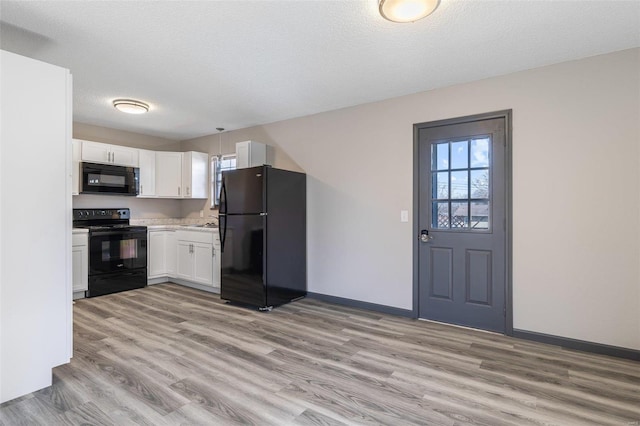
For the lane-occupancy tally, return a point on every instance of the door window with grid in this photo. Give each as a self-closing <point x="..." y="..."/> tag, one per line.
<point x="461" y="184"/>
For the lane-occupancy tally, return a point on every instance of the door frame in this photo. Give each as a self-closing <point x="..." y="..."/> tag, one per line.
<point x="507" y="115"/>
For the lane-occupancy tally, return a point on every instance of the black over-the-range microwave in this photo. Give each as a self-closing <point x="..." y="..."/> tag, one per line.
<point x="107" y="179"/>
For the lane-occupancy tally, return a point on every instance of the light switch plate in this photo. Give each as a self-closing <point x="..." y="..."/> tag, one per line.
<point x="404" y="215"/>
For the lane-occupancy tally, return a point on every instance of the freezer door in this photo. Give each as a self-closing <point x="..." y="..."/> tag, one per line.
<point x="243" y="260"/>
<point x="242" y="191"/>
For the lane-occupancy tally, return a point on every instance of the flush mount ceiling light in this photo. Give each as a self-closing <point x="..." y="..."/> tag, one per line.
<point x="406" y="10"/>
<point x="130" y="106"/>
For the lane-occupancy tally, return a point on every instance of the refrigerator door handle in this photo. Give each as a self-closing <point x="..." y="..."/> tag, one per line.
<point x="222" y="230"/>
<point x="223" y="198"/>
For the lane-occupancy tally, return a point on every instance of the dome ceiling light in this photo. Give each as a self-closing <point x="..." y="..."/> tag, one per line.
<point x="406" y="10"/>
<point x="131" y="106"/>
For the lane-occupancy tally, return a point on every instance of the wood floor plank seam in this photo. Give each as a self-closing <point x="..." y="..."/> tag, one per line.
<point x="170" y="355"/>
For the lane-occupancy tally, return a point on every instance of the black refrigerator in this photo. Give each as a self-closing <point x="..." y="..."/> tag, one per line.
<point x="263" y="236"/>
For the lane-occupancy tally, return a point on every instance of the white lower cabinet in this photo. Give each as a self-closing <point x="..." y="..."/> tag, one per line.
<point x="161" y="254"/>
<point x="170" y="250"/>
<point x="195" y="257"/>
<point x="80" y="262"/>
<point x="156" y="258"/>
<point x="188" y="256"/>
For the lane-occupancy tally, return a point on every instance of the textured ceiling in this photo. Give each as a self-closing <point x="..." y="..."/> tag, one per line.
<point x="235" y="64"/>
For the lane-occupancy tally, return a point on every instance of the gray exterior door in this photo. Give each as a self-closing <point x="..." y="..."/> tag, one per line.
<point x="461" y="249"/>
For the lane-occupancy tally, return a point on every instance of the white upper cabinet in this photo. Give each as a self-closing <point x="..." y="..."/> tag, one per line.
<point x="194" y="174"/>
<point x="124" y="156"/>
<point x="147" y="173"/>
<point x="95" y="152"/>
<point x="250" y="154"/>
<point x="169" y="174"/>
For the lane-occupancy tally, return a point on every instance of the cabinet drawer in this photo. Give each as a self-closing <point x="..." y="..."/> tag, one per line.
<point x="79" y="240"/>
<point x="195" y="236"/>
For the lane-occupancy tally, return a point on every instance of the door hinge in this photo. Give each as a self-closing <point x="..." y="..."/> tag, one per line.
<point x="504" y="311"/>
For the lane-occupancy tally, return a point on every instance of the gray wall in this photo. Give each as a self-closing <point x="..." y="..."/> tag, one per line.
<point x="576" y="192"/>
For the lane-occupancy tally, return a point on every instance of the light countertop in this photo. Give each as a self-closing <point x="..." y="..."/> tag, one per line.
<point x="169" y="227"/>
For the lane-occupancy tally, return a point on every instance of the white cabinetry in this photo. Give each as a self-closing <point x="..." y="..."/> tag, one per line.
<point x="170" y="253"/>
<point x="147" y="160"/>
<point x="156" y="254"/>
<point x="194" y="174"/>
<point x="76" y="156"/>
<point x="217" y="256"/>
<point x="95" y="152"/>
<point x="196" y="257"/>
<point x="161" y="254"/>
<point x="190" y="257"/>
<point x="80" y="262"/>
<point x="162" y="174"/>
<point x="169" y="174"/>
<point x="250" y="154"/>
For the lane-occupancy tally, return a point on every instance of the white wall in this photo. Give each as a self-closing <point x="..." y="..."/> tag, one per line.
<point x="35" y="223"/>
<point x="141" y="208"/>
<point x="576" y="192"/>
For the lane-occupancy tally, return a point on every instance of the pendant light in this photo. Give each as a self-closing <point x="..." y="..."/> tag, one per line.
<point x="215" y="196"/>
<point x="406" y="10"/>
<point x="220" y="130"/>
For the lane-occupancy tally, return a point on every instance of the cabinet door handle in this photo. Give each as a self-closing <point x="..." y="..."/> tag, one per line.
<point x="113" y="157"/>
<point x="187" y="190"/>
<point x="213" y="252"/>
<point x="178" y="190"/>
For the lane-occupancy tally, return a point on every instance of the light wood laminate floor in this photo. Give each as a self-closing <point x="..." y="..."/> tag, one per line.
<point x="170" y="355"/>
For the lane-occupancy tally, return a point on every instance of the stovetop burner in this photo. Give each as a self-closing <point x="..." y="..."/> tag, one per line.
<point x="104" y="220"/>
<point x="112" y="227"/>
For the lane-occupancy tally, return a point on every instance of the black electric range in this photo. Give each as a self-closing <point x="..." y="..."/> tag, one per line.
<point x="117" y="250"/>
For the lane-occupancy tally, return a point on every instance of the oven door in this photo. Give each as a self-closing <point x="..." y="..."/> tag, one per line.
<point x="108" y="179"/>
<point x="117" y="250"/>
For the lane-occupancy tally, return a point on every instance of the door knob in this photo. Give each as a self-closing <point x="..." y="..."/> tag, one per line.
<point x="425" y="237"/>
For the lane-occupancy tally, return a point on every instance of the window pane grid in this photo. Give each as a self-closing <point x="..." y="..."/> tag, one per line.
<point x="218" y="165"/>
<point x="460" y="181"/>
